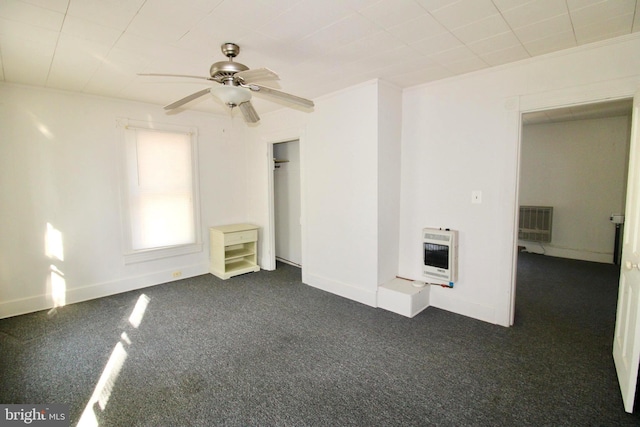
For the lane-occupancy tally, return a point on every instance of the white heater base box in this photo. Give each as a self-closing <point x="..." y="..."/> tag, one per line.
<point x="401" y="297"/>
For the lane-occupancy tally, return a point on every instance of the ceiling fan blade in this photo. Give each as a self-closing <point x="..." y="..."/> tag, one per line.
<point x="174" y="75"/>
<point x="186" y="99"/>
<point x="281" y="95"/>
<point x="249" y="113"/>
<point x="257" y="75"/>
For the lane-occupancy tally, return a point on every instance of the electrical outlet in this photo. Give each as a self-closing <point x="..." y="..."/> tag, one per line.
<point x="176" y="274"/>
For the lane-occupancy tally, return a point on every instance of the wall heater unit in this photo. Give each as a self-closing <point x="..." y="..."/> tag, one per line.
<point x="440" y="255"/>
<point x="535" y="223"/>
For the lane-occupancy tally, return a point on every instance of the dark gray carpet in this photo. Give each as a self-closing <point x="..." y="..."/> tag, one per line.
<point x="263" y="349"/>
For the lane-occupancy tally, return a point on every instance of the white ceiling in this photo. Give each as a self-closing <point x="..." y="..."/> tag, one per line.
<point x="316" y="46"/>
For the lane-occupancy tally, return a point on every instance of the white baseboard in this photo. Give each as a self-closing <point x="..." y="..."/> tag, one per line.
<point x="98" y="290"/>
<point x="444" y="299"/>
<point x="536" y="248"/>
<point x="361" y="295"/>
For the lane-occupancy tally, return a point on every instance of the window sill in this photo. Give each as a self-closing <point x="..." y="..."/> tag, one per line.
<point x="159" y="253"/>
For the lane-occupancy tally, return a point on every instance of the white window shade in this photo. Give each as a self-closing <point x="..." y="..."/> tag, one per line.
<point x="160" y="201"/>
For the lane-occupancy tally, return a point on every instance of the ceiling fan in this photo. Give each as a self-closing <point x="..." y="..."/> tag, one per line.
<point x="237" y="82"/>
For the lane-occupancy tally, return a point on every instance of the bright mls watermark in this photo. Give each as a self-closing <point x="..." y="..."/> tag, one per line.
<point x="54" y="415"/>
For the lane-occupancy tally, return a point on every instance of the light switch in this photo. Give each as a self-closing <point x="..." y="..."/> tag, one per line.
<point x="476" y="197"/>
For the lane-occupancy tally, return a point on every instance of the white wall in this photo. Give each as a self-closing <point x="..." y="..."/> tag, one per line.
<point x="462" y="134"/>
<point x="389" y="162"/>
<point x="340" y="166"/>
<point x="580" y="168"/>
<point x="59" y="165"/>
<point x="341" y="145"/>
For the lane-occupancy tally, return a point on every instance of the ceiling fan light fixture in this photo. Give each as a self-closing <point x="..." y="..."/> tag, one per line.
<point x="237" y="82"/>
<point x="231" y="95"/>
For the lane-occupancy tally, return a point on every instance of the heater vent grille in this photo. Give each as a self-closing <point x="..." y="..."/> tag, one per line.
<point x="535" y="223"/>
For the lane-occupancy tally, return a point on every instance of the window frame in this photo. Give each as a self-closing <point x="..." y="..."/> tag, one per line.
<point x="130" y="255"/>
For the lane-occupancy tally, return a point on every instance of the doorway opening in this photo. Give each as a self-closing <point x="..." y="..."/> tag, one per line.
<point x="287" y="202"/>
<point x="575" y="161"/>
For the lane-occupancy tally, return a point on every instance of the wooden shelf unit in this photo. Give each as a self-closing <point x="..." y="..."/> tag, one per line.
<point x="233" y="250"/>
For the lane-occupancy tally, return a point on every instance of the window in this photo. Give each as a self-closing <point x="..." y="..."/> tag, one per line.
<point x="159" y="192"/>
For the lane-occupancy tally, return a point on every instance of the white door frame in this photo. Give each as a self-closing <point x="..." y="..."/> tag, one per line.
<point x="269" y="235"/>
<point x="626" y="344"/>
<point x="295" y="162"/>
<point x="588" y="94"/>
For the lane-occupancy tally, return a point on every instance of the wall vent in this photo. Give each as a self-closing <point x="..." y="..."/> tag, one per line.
<point x="535" y="223"/>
